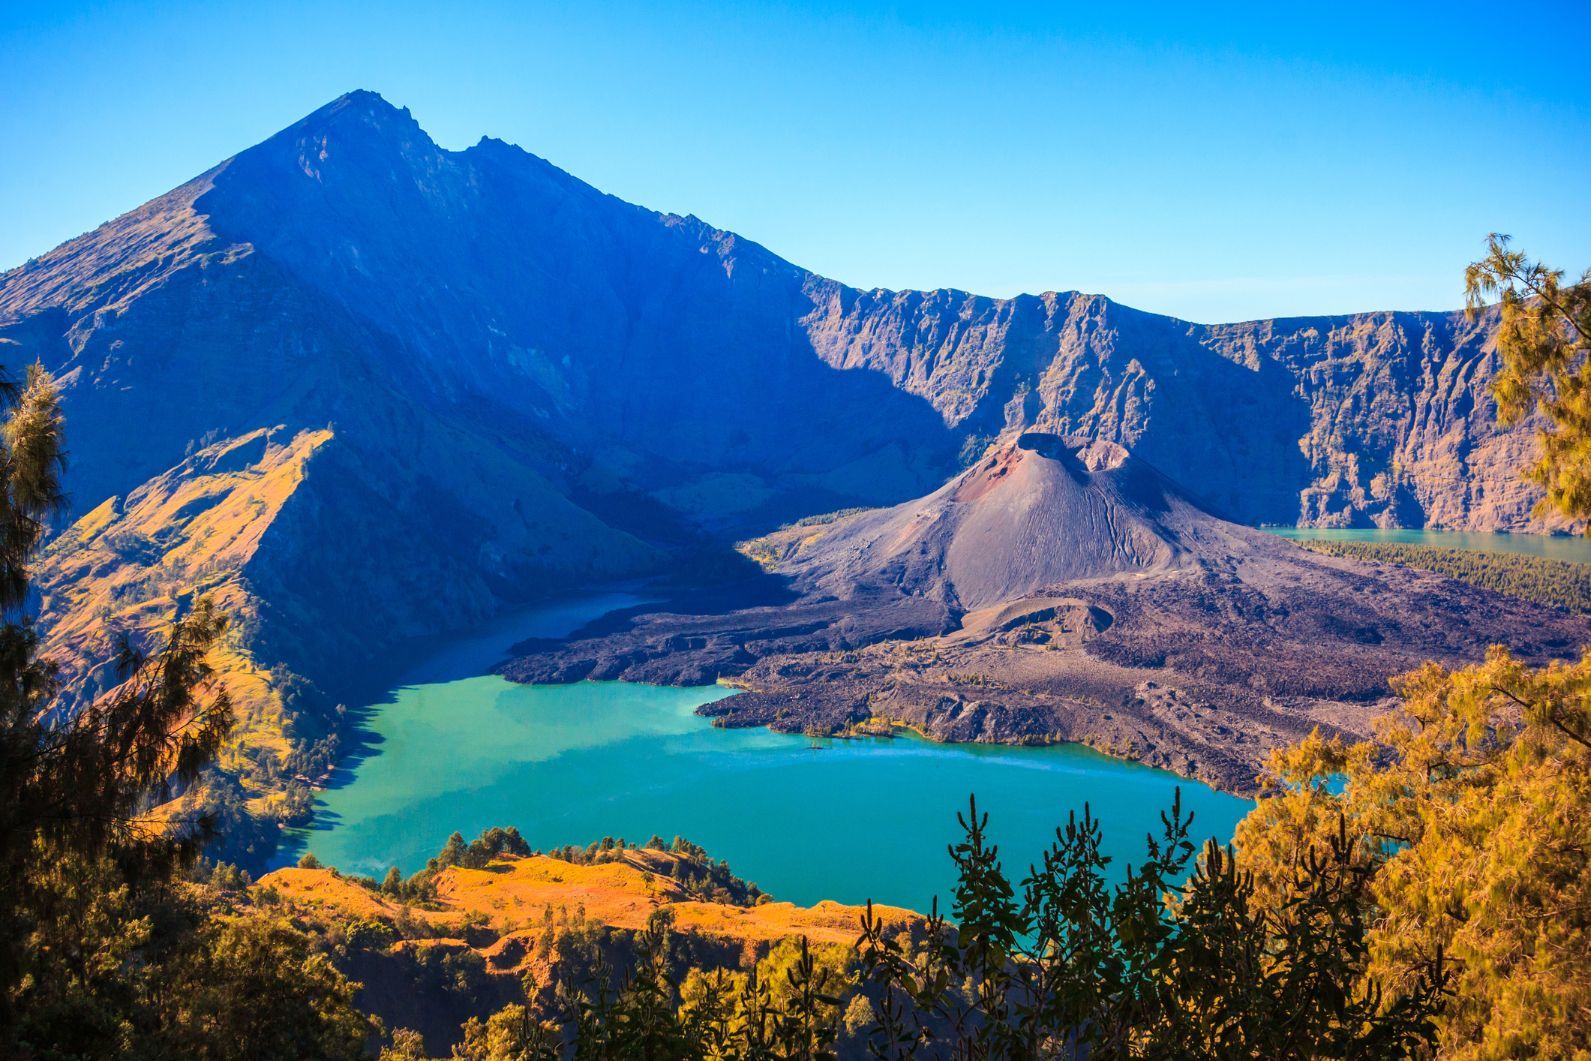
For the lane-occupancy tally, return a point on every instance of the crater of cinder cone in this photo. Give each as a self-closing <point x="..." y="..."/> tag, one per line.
<point x="1037" y="511"/>
<point x="1049" y="521"/>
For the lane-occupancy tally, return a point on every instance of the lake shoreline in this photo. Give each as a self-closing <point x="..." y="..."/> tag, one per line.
<point x="571" y="764"/>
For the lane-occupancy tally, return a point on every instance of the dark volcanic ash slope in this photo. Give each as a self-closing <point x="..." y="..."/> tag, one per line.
<point x="1031" y="514"/>
<point x="1065" y="591"/>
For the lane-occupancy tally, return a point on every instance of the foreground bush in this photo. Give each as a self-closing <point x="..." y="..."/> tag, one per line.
<point x="1473" y="813"/>
<point x="1061" y="964"/>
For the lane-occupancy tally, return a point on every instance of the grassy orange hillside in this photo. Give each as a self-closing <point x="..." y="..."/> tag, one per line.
<point x="127" y="567"/>
<point x="508" y="901"/>
<point x="461" y="941"/>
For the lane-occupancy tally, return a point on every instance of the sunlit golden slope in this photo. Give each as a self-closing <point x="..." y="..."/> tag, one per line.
<point x="131" y="564"/>
<point x="510" y="897"/>
<point x="514" y="929"/>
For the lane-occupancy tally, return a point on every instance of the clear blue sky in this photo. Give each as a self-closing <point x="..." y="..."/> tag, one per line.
<point x="1214" y="162"/>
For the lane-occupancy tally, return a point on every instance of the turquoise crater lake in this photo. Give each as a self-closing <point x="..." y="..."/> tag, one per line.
<point x="847" y="820"/>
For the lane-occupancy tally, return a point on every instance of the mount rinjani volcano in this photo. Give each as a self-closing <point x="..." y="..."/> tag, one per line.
<point x="382" y="391"/>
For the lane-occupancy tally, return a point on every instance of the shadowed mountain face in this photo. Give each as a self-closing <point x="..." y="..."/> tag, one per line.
<point x="452" y="380"/>
<point x="495" y="352"/>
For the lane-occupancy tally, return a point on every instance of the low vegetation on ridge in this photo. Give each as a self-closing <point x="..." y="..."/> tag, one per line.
<point x="1559" y="583"/>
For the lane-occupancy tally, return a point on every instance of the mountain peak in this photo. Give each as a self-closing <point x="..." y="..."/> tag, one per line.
<point x="363" y="101"/>
<point x="360" y="109"/>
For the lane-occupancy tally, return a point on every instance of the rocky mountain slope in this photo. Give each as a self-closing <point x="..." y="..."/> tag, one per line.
<point x="378" y="390"/>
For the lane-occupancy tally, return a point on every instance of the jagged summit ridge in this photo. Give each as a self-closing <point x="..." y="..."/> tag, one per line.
<point x="1323" y="432"/>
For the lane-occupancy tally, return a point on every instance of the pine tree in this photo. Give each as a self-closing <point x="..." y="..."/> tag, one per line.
<point x="1544" y="340"/>
<point x="103" y="952"/>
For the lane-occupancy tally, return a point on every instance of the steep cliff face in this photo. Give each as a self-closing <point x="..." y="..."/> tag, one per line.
<point x="1374" y="419"/>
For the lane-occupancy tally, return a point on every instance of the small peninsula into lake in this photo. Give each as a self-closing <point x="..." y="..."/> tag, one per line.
<point x="1062" y="590"/>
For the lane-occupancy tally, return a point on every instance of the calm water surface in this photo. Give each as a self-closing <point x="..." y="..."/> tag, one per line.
<point x="1553" y="547"/>
<point x="849" y="820"/>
